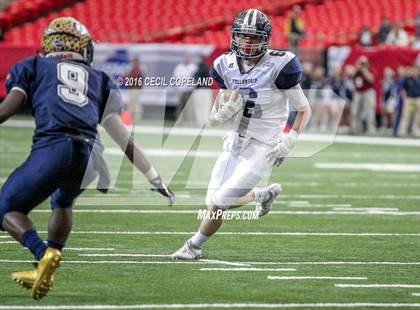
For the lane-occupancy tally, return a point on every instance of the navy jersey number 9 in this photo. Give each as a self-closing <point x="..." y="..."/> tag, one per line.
<point x="75" y="83"/>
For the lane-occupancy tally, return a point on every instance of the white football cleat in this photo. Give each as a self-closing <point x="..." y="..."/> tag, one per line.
<point x="187" y="251"/>
<point x="273" y="191"/>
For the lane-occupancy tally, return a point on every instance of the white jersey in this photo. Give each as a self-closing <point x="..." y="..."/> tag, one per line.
<point x="263" y="87"/>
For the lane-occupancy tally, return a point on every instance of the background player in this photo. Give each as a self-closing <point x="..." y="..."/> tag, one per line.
<point x="68" y="99"/>
<point x="267" y="80"/>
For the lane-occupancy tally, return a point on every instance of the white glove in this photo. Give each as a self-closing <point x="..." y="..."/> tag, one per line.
<point x="281" y="150"/>
<point x="228" y="109"/>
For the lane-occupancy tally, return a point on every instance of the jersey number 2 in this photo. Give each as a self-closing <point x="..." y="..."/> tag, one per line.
<point x="75" y="83"/>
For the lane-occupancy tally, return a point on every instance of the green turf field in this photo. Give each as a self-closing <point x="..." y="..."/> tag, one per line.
<point x="334" y="227"/>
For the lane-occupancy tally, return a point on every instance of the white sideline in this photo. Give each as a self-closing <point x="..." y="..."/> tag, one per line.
<point x="378" y="285"/>
<point x="247" y="269"/>
<point x="185" y="131"/>
<point x="214" y="305"/>
<point x="315" y="278"/>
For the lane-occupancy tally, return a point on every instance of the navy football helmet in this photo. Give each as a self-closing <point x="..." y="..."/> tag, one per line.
<point x="250" y="34"/>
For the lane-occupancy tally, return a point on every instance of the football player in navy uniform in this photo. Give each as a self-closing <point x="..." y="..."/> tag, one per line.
<point x="68" y="99"/>
<point x="266" y="81"/>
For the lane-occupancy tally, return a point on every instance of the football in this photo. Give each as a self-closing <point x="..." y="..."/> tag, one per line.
<point x="224" y="96"/>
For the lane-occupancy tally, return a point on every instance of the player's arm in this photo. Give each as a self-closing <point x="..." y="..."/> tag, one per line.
<point x="298" y="99"/>
<point x="288" y="80"/>
<point x="11" y="104"/>
<point x="116" y="129"/>
<point x="18" y="85"/>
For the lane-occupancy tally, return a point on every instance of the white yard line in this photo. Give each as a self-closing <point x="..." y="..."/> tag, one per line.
<point x="247" y="269"/>
<point x="133" y="262"/>
<point x="346" y="196"/>
<point x="255" y="233"/>
<point x="345" y="184"/>
<point x="416" y="294"/>
<point x="125" y="255"/>
<point x="391" y="167"/>
<point x="368" y="211"/>
<point x="378" y="285"/>
<point x="336" y="263"/>
<point x="214" y="305"/>
<point x="9" y="242"/>
<point x="217" y="262"/>
<point x="185" y="131"/>
<point x="314" y="278"/>
<point x="89" y="249"/>
<point x="222" y="262"/>
<point x="318" y="205"/>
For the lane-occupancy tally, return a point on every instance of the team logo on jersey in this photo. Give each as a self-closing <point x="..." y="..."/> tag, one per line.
<point x="230" y="65"/>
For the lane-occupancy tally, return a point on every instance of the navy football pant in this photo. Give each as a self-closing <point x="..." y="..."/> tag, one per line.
<point x="56" y="170"/>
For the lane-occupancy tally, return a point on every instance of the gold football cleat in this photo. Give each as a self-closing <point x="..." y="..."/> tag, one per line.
<point x="26" y="279"/>
<point x="45" y="273"/>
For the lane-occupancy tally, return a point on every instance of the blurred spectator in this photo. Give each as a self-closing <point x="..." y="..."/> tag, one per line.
<point x="315" y="96"/>
<point x="389" y="99"/>
<point x="186" y="68"/>
<point x="134" y="106"/>
<point x="365" y="37"/>
<point x="411" y="104"/>
<point x="417" y="22"/>
<point x="335" y="104"/>
<point x="416" y="42"/>
<point x="201" y="101"/>
<point x="397" y="36"/>
<point x="325" y="109"/>
<point x="384" y="30"/>
<point x="305" y="81"/>
<point x="202" y="71"/>
<point x="364" y="100"/>
<point x="402" y="75"/>
<point x="294" y="29"/>
<point x="346" y="92"/>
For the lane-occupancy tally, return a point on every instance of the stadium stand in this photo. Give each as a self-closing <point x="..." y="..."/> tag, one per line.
<point x="184" y="21"/>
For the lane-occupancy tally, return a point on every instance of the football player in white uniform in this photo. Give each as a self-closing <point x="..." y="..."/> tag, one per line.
<point x="257" y="85"/>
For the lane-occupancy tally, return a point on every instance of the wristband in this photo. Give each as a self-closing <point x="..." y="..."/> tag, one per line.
<point x="151" y="174"/>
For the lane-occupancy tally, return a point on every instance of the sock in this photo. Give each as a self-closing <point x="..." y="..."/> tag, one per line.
<point x="259" y="195"/>
<point x="33" y="242"/>
<point x="198" y="240"/>
<point x="56" y="245"/>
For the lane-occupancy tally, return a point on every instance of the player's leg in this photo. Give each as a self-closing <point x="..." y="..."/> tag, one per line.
<point x="222" y="170"/>
<point x="28" y="186"/>
<point x="237" y="190"/>
<point x="60" y="223"/>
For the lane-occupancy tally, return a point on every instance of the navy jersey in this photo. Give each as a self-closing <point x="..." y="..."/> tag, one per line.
<point x="66" y="97"/>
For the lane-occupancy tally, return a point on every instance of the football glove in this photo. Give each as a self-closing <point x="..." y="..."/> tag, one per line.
<point x="228" y="109"/>
<point x="281" y="150"/>
<point x="161" y="188"/>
